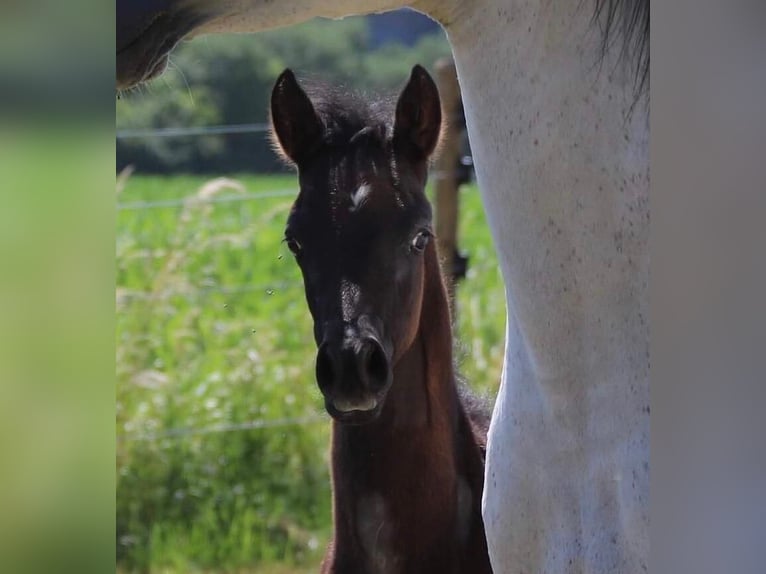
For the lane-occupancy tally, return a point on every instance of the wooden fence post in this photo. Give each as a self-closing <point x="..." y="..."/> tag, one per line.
<point x="446" y="188"/>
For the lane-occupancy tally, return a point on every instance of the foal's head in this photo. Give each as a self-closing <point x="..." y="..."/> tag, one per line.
<point x="359" y="229"/>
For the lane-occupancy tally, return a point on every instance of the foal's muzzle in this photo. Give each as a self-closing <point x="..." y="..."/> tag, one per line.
<point x="353" y="374"/>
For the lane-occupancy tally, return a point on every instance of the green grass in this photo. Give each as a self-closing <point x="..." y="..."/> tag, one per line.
<point x="213" y="331"/>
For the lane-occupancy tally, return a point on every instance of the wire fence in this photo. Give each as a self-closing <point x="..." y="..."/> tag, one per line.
<point x="231" y="129"/>
<point x="183" y="201"/>
<point x="178" y="433"/>
<point x="174" y="132"/>
<point x="125" y="296"/>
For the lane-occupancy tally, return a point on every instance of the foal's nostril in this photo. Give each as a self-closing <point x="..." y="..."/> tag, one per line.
<point x="358" y="367"/>
<point x="327" y="368"/>
<point x="374" y="364"/>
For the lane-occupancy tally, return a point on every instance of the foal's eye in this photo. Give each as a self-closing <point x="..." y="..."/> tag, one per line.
<point x="293" y="245"/>
<point x="420" y="241"/>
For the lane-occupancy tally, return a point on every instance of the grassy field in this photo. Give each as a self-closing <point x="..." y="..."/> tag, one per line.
<point x="222" y="439"/>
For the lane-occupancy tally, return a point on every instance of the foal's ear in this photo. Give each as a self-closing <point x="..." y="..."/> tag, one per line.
<point x="295" y="125"/>
<point x="418" y="115"/>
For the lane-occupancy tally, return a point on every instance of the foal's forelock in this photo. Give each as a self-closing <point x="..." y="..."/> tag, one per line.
<point x="366" y="178"/>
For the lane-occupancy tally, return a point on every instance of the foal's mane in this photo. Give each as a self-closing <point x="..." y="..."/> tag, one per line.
<point x="349" y="115"/>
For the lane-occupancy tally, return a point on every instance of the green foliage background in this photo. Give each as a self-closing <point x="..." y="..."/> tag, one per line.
<point x="222" y="439"/>
<point x="213" y="330"/>
<point x="227" y="80"/>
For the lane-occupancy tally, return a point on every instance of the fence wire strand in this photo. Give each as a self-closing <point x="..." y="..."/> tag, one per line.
<point x="267" y="288"/>
<point x="138" y="133"/>
<point x="182" y="432"/>
<point x="192" y="199"/>
<point x="124" y="295"/>
<point x="180" y="202"/>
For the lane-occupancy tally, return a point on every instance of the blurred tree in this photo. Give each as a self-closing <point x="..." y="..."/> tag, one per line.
<point x="228" y="79"/>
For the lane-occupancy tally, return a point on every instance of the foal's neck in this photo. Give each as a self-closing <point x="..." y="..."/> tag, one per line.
<point x="405" y="487"/>
<point x="423" y="393"/>
<point x="419" y="418"/>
